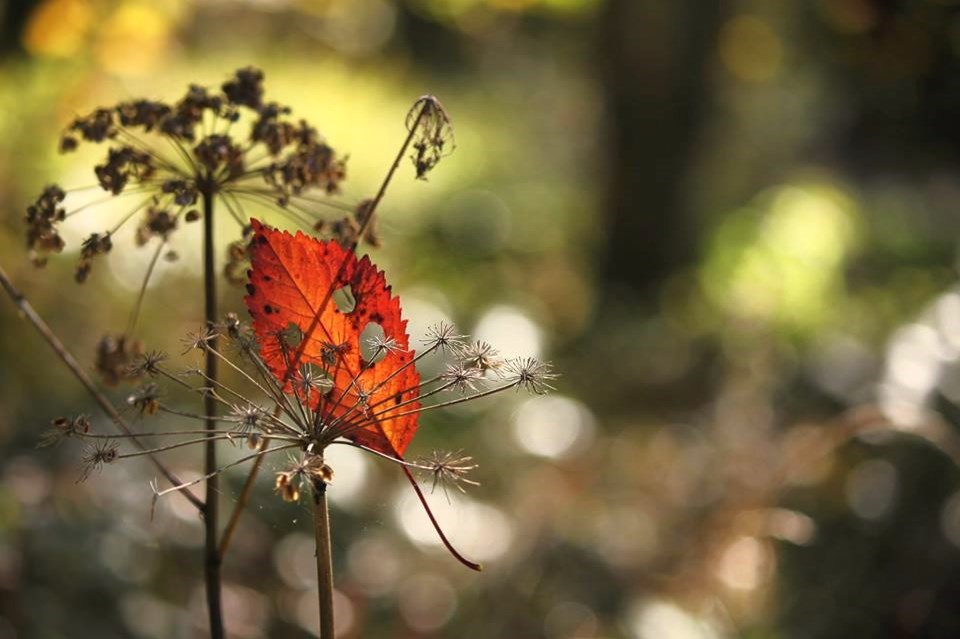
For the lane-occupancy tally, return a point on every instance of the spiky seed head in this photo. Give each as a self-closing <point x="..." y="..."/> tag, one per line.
<point x="480" y="355"/>
<point x="530" y="374"/>
<point x="461" y="378"/>
<point x="443" y="337"/>
<point x="96" y="456"/>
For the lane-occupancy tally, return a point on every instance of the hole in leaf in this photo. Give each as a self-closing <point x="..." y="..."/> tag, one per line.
<point x="371" y="335"/>
<point x="291" y="335"/>
<point x="344" y="299"/>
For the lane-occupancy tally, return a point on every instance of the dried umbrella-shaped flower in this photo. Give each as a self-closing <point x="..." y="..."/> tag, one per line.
<point x="319" y="384"/>
<point x="324" y="388"/>
<point x="232" y="146"/>
<point x="347" y="409"/>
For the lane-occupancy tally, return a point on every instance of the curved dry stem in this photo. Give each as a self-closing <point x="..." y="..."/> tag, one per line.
<point x="70" y="362"/>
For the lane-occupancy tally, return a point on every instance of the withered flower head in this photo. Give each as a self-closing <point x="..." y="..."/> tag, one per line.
<point x="147" y="364"/>
<point x="42" y="219"/>
<point x="228" y="146"/>
<point x="449" y="468"/>
<point x="530" y="374"/>
<point x="146" y="399"/>
<point x="96" y="456"/>
<point x="433" y="134"/>
<point x="462" y="378"/>
<point x="480" y="355"/>
<point x="247" y="418"/>
<point x="444" y="337"/>
<point x="115" y="355"/>
<point x="309" y="470"/>
<point x="96" y="244"/>
<point x="63" y="428"/>
<point x="200" y="340"/>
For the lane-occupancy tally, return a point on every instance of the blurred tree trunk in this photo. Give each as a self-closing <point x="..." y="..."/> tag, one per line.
<point x="654" y="56"/>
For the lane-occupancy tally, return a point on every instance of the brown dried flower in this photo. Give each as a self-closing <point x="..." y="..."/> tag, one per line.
<point x="434" y="139"/>
<point x="115" y="354"/>
<point x="175" y="154"/>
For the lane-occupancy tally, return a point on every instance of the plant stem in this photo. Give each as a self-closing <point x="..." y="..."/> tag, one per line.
<point x="212" y="501"/>
<point x="321" y="527"/>
<point x="242" y="499"/>
<point x="31" y="315"/>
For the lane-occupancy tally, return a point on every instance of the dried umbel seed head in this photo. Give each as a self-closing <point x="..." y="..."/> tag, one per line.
<point x="248" y="418"/>
<point x="199" y="340"/>
<point x="96" y="244"/>
<point x="42" y="219"/>
<point x="232" y="325"/>
<point x="449" y="468"/>
<point x="530" y="374"/>
<point x="363" y="214"/>
<point x="309" y="470"/>
<point x="238" y="259"/>
<point x="480" y="355"/>
<point x="156" y="222"/>
<point x="172" y="155"/>
<point x="433" y="134"/>
<point x="287" y="485"/>
<point x="63" y="428"/>
<point x="444" y="338"/>
<point x="146" y="399"/>
<point x="245" y="88"/>
<point x="115" y="356"/>
<point x="96" y="456"/>
<point x="147" y="364"/>
<point x="462" y="378"/>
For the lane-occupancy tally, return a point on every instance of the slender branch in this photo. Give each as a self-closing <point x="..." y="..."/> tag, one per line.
<point x="212" y="501"/>
<point x="135" y="315"/>
<point x="245" y="492"/>
<point x="321" y="527"/>
<point x="375" y="418"/>
<point x="308" y="334"/>
<point x="160" y="449"/>
<point x="71" y="363"/>
<point x="242" y="499"/>
<point x="472" y="565"/>
<point x="393" y="169"/>
<point x="225" y="467"/>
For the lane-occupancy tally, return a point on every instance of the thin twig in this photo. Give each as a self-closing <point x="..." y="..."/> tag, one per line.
<point x="71" y="363"/>
<point x="242" y="499"/>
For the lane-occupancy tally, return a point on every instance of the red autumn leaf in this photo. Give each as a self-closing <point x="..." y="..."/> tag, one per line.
<point x="292" y="280"/>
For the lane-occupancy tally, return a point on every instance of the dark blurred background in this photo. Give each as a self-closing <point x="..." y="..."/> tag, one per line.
<point x="731" y="225"/>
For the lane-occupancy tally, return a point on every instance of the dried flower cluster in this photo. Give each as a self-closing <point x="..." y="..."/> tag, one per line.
<point x="289" y="418"/>
<point x="434" y="135"/>
<point x="174" y="155"/>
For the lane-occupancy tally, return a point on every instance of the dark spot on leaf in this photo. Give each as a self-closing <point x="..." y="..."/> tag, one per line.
<point x="250" y="289"/>
<point x="267" y="309"/>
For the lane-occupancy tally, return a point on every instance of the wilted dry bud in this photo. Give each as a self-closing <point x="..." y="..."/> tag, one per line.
<point x="286" y="486"/>
<point x="115" y="354"/>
